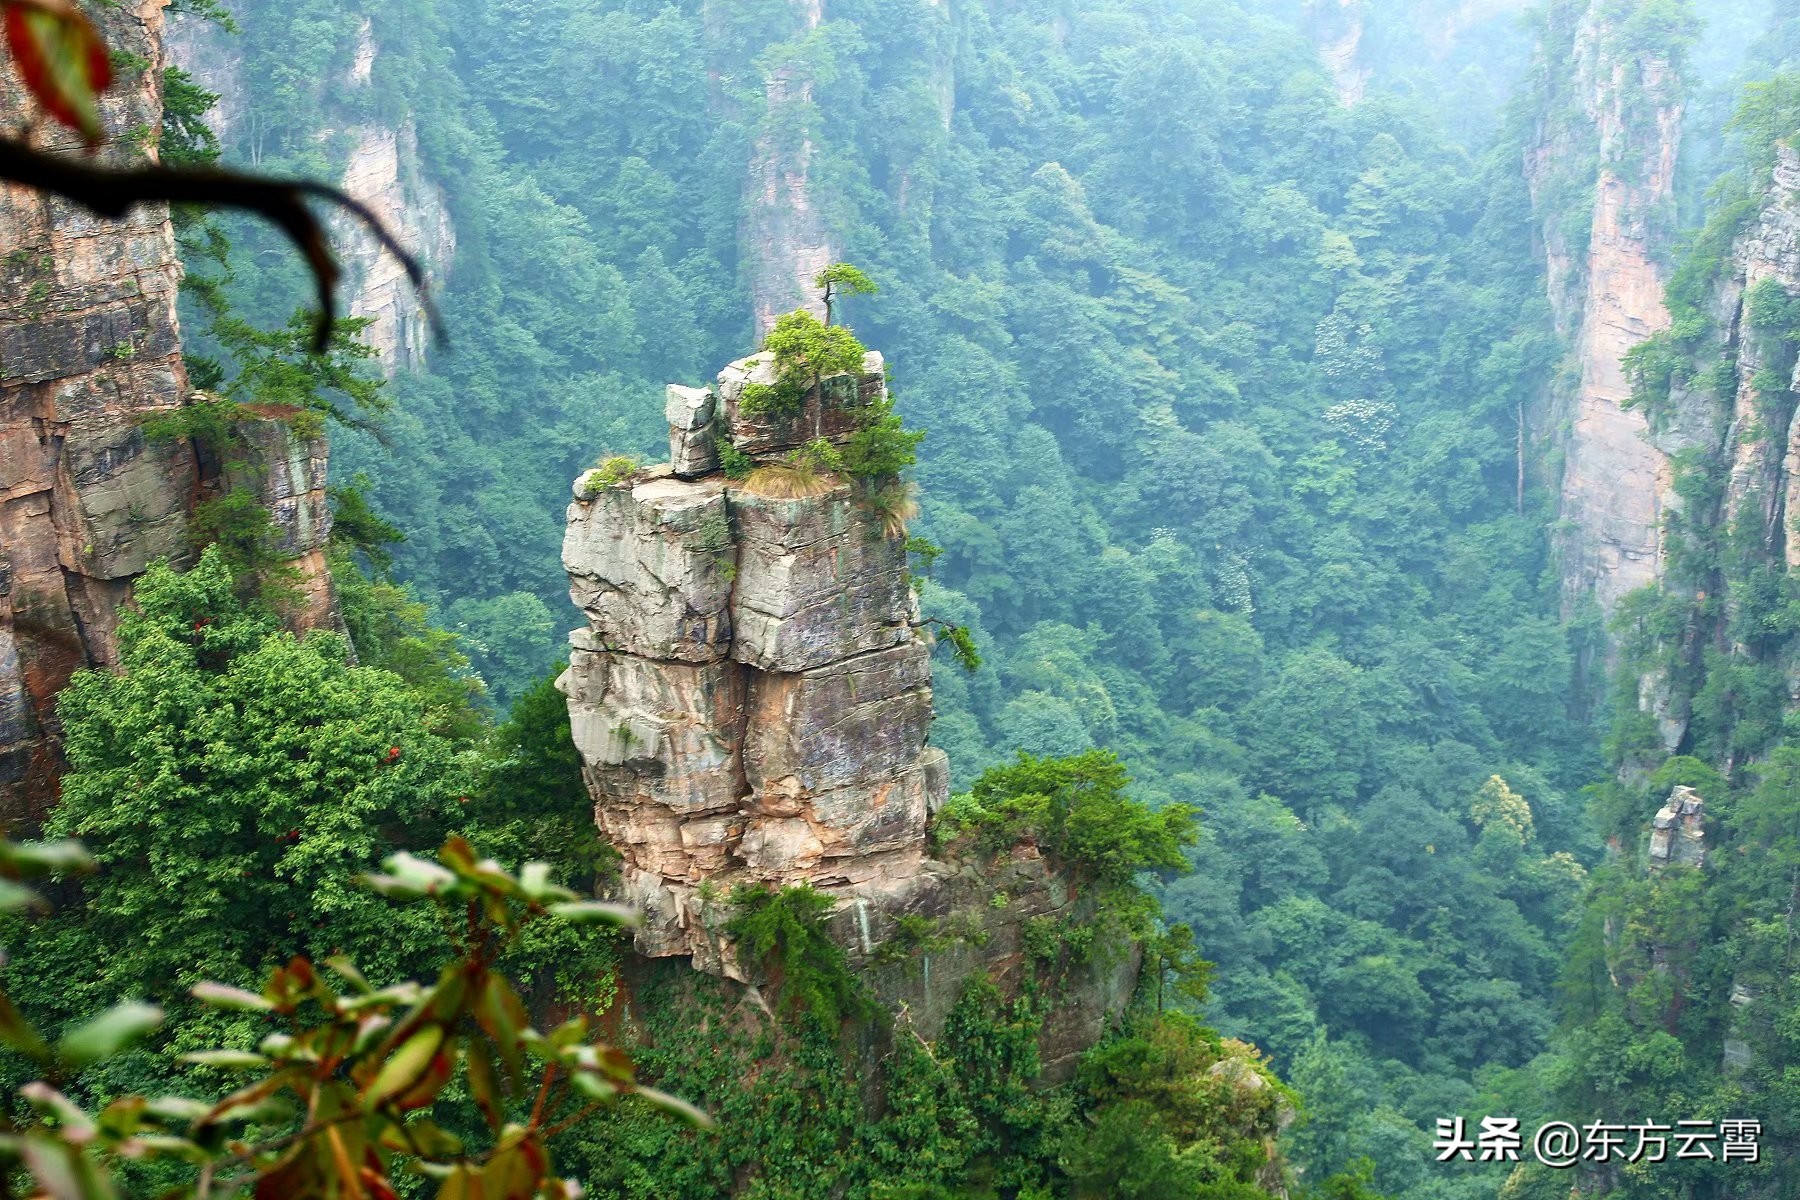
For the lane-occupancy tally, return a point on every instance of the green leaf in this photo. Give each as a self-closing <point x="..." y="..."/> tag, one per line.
<point x="341" y="964"/>
<point x="594" y="1087"/>
<point x="219" y="995"/>
<point x="109" y="1033"/>
<point x="406" y="1065"/>
<point x="177" y="1108"/>
<point x="675" y="1106"/>
<point x="49" y="858"/>
<point x="484" y="1084"/>
<point x="410" y="877"/>
<point x="18" y="1033"/>
<point x="226" y="1060"/>
<point x="52" y="1103"/>
<point x="14" y="896"/>
<point x="596" y="912"/>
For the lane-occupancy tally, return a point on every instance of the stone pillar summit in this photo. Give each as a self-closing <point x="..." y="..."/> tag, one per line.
<point x="751" y="693"/>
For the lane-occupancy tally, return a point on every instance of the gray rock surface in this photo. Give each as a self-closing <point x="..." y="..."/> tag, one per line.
<point x="817" y="580"/>
<point x="693" y="441"/>
<point x="1678" y="832"/>
<point x="750" y="696"/>
<point x="651" y="566"/>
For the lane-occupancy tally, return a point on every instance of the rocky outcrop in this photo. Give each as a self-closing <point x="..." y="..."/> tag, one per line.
<point x="751" y="694"/>
<point x="88" y="349"/>
<point x="751" y="697"/>
<point x="1001" y="919"/>
<point x="1337" y="29"/>
<point x="1762" y="432"/>
<point x="386" y="173"/>
<point x="89" y="352"/>
<point x="1611" y="130"/>
<point x="1678" y="831"/>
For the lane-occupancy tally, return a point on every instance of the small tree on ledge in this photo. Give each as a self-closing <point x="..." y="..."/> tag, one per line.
<point x="842" y="279"/>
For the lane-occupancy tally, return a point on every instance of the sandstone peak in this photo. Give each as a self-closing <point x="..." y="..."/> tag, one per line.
<point x="751" y="693"/>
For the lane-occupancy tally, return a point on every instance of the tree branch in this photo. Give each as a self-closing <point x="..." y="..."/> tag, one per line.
<point x="113" y="192"/>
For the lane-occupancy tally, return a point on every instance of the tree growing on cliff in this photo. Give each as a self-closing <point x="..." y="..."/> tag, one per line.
<point x="842" y="279"/>
<point x="806" y="351"/>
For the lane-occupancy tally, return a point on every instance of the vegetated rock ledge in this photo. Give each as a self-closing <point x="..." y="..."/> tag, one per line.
<point x="751" y="699"/>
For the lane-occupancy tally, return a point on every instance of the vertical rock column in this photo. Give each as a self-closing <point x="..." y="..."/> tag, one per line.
<point x="88" y="349"/>
<point x="750" y="695"/>
<point x="1611" y="131"/>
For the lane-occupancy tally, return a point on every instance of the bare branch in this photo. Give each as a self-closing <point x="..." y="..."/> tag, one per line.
<point x="113" y="192"/>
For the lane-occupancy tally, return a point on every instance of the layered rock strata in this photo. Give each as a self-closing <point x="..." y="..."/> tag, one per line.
<point x="751" y="694"/>
<point x="786" y="243"/>
<point x="89" y="352"/>
<point x="1678" y="831"/>
<point x="88" y="349"/>
<point x="386" y="172"/>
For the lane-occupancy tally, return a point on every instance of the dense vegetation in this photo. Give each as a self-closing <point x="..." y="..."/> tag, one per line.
<point x="1222" y="381"/>
<point x="256" y="775"/>
<point x="1225" y="385"/>
<point x="1680" y="990"/>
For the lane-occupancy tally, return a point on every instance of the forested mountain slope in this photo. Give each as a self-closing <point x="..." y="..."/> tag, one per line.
<point x="1249" y="403"/>
<point x="1222" y="380"/>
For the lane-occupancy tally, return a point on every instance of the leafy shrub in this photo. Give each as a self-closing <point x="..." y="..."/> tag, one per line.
<point x="734" y="462"/>
<point x="883" y="447"/>
<point x="784" y="933"/>
<point x="1077" y="809"/>
<point x="612" y="470"/>
<point x="248" y="541"/>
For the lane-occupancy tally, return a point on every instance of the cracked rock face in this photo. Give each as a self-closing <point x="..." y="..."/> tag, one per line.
<point x="90" y="350"/>
<point x="750" y="695"/>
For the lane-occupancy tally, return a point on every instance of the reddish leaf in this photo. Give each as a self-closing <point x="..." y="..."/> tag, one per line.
<point x="62" y="59"/>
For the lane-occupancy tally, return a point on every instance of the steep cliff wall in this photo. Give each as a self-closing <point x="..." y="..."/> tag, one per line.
<point x="384" y="170"/>
<point x="386" y="173"/>
<point x="90" y="349"/>
<point x="88" y="346"/>
<point x="1602" y="172"/>
<point x="1337" y="28"/>
<point x="751" y="695"/>
<point x="785" y="240"/>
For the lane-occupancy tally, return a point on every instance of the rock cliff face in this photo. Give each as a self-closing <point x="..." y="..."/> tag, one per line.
<point x="89" y="350"/>
<point x="1610" y="130"/>
<point x="1678" y="831"/>
<point x="785" y="241"/>
<point x="1337" y="29"/>
<point x="386" y="173"/>
<point x="1762" y="434"/>
<point x="1736" y="397"/>
<point x="88" y="346"/>
<point x="751" y="697"/>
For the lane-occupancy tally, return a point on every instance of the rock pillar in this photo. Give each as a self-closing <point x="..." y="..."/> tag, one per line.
<point x="751" y="693"/>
